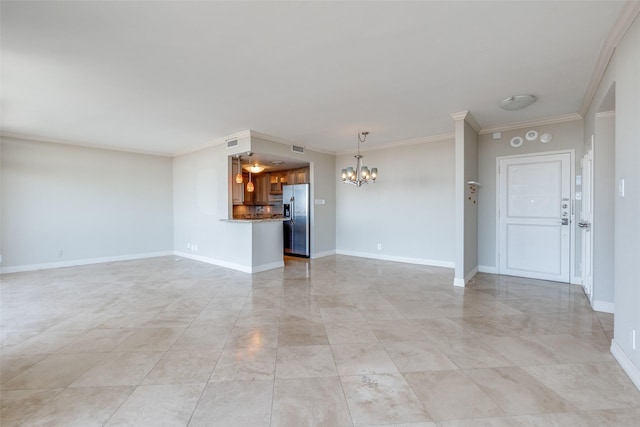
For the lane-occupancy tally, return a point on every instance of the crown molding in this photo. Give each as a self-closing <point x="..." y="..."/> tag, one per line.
<point x="626" y="18"/>
<point x="283" y="141"/>
<point x="531" y="123"/>
<point x="467" y="117"/>
<point x="23" y="137"/>
<point x="214" y="143"/>
<point x="605" y="114"/>
<point x="472" y="122"/>
<point x="405" y="143"/>
<point x="271" y="138"/>
<point x="459" y="115"/>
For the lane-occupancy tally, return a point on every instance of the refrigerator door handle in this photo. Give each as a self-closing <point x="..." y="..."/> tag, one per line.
<point x="292" y="211"/>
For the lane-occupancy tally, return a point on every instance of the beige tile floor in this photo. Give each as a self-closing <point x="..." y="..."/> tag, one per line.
<point x="337" y="341"/>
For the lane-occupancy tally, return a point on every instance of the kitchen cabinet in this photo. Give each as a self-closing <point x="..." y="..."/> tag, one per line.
<point x="276" y="181"/>
<point x="267" y="187"/>
<point x="237" y="192"/>
<point x="262" y="186"/>
<point x="302" y="176"/>
<point x="298" y="176"/>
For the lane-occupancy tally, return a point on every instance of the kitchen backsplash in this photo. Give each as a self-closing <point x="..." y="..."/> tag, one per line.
<point x="241" y="211"/>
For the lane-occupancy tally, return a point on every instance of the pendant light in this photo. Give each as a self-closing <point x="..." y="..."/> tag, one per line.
<point x="252" y="168"/>
<point x="361" y="174"/>
<point x="239" y="179"/>
<point x="250" y="186"/>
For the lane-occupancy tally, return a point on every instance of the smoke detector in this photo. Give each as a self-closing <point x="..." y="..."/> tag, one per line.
<point x="517" y="102"/>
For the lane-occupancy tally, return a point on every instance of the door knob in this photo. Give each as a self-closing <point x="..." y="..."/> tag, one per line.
<point x="584" y="225"/>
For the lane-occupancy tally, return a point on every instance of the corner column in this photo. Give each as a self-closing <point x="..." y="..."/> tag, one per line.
<point x="466" y="218"/>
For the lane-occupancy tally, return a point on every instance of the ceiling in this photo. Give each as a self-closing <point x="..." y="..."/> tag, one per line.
<point x="164" y="77"/>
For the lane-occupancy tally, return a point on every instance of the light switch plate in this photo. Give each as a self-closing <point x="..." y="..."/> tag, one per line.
<point x="621" y="188"/>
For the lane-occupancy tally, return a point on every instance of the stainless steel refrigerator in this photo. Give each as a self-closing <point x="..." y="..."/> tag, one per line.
<point x="295" y="199"/>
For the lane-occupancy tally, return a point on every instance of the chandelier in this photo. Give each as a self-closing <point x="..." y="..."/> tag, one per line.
<point x="361" y="174"/>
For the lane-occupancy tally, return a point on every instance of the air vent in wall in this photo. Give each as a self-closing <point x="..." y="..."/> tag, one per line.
<point x="297" y="149"/>
<point x="232" y="143"/>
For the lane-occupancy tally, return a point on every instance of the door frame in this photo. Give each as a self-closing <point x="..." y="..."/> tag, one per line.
<point x="573" y="279"/>
<point x="587" y="236"/>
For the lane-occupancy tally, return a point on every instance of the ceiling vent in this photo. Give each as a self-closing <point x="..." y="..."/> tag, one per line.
<point x="232" y="143"/>
<point x="297" y="149"/>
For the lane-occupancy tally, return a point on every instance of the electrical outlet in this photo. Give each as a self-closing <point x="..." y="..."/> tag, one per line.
<point x="60" y="253"/>
<point x="195" y="248"/>
<point x="189" y="246"/>
<point x="379" y="246"/>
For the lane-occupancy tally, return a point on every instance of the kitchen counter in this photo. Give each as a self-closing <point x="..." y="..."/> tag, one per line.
<point x="259" y="241"/>
<point x="256" y="220"/>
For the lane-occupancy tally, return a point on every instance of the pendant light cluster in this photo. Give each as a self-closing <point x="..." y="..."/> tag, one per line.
<point x="251" y="168"/>
<point x="361" y="174"/>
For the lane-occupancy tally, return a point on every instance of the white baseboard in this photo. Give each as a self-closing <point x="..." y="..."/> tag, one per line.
<point x="604" y="306"/>
<point x="233" y="266"/>
<point x="575" y="280"/>
<point x="322" y="254"/>
<point x="420" y="261"/>
<point x="78" y="262"/>
<point x="626" y="364"/>
<point x="463" y="282"/>
<point x="459" y="282"/>
<point x="265" y="267"/>
<point x="487" y="269"/>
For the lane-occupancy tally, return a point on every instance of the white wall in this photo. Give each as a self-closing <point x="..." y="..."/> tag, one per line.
<point x="604" y="188"/>
<point x="604" y="213"/>
<point x="566" y="136"/>
<point x="409" y="210"/>
<point x="64" y="204"/>
<point x="200" y="200"/>
<point x="627" y="208"/>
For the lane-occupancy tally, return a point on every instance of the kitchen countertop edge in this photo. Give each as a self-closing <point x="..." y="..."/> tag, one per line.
<point x="256" y="220"/>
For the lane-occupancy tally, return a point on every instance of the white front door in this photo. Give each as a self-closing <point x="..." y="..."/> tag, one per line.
<point x="535" y="216"/>
<point x="586" y="218"/>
